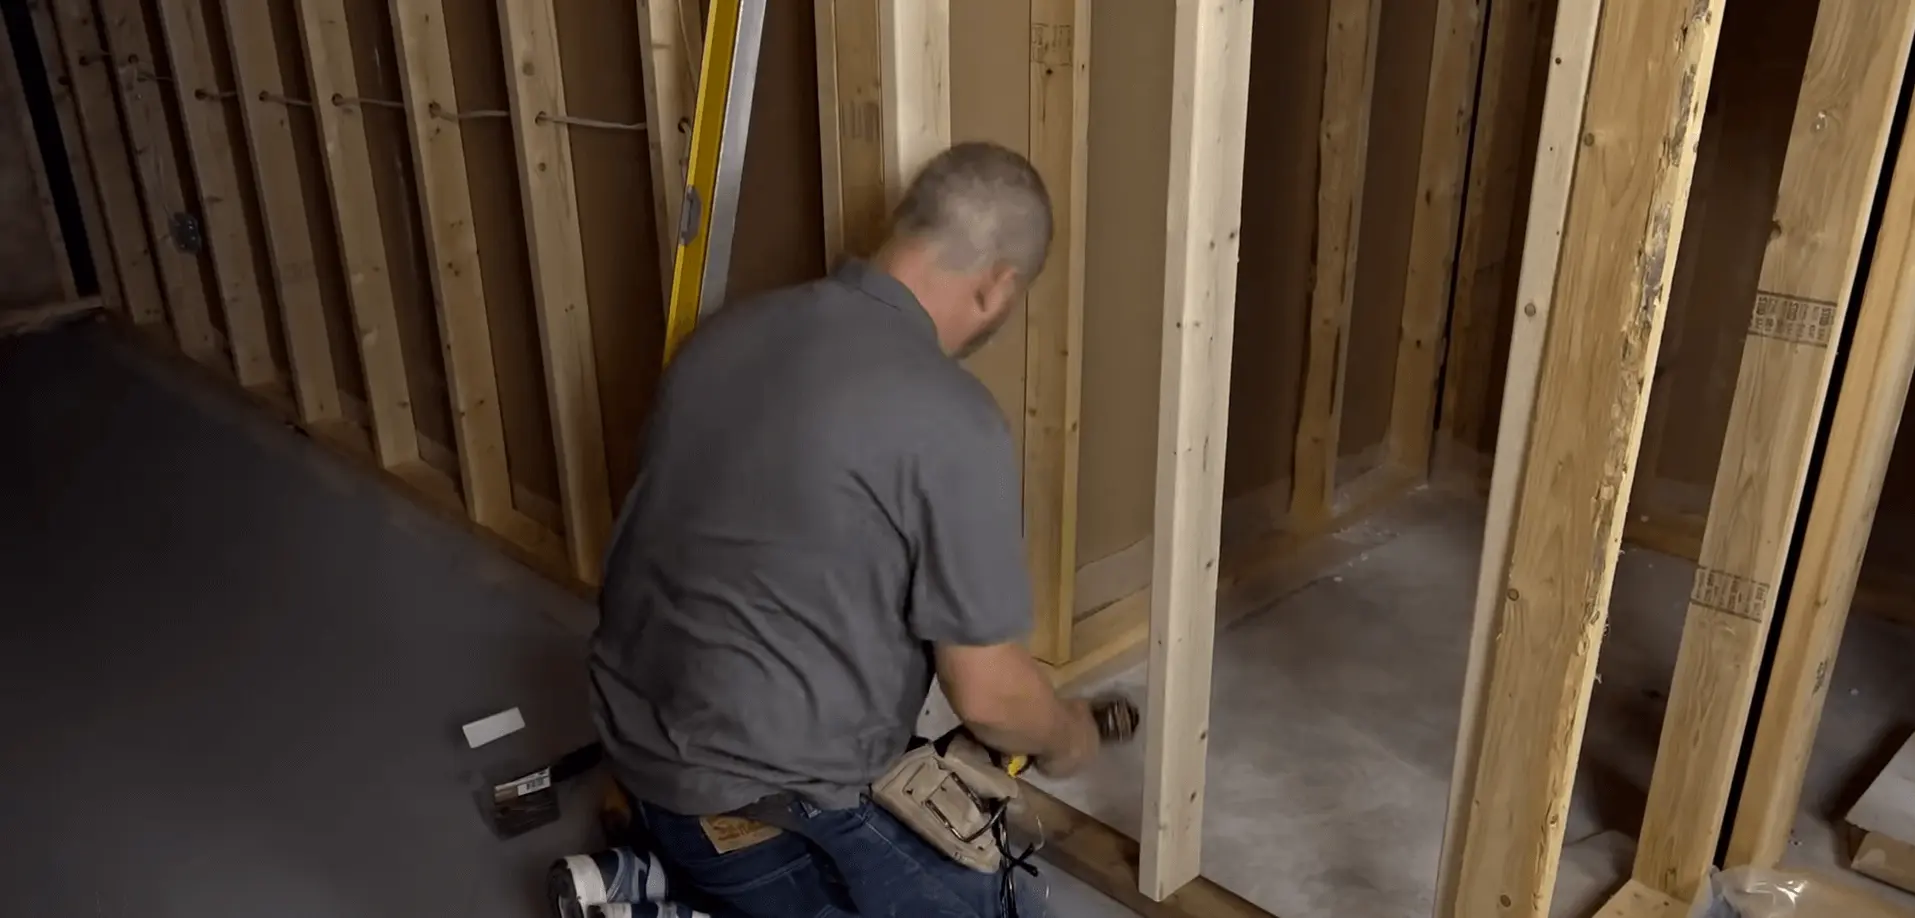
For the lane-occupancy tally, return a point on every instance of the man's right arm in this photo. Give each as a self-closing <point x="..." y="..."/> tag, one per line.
<point x="1008" y="704"/>
<point x="970" y="596"/>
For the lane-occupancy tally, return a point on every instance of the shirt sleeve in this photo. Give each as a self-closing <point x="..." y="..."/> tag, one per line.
<point x="969" y="585"/>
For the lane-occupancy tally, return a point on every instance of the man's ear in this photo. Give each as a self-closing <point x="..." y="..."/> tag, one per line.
<point x="1001" y="286"/>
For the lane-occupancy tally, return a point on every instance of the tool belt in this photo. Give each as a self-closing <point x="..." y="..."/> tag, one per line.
<point x="956" y="793"/>
<point x="950" y="792"/>
<point x="953" y="793"/>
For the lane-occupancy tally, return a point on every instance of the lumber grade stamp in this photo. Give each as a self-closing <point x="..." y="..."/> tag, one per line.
<point x="1732" y="594"/>
<point x="1797" y="320"/>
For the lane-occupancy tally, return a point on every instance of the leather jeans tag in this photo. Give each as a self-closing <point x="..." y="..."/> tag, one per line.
<point x="736" y="833"/>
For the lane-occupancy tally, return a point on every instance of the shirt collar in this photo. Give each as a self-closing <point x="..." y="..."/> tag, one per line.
<point x="874" y="282"/>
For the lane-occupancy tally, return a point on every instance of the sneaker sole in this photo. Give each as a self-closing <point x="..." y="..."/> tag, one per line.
<point x="574" y="886"/>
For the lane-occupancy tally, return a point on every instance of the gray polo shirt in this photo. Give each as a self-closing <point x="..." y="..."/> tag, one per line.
<point x="823" y="496"/>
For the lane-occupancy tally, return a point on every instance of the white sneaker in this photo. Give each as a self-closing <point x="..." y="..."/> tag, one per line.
<point x="579" y="884"/>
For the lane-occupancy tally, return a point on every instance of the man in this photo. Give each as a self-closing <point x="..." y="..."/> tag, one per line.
<point x="828" y="512"/>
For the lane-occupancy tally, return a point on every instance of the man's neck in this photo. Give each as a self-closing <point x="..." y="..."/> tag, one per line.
<point x="916" y="267"/>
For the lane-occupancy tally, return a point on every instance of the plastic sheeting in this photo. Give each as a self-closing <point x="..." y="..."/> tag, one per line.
<point x="1747" y="892"/>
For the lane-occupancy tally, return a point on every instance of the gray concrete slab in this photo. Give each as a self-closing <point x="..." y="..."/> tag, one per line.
<point x="1335" y="713"/>
<point x="233" y="667"/>
<point x="234" y="671"/>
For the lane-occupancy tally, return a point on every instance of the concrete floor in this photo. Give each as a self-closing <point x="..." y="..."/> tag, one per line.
<point x="1335" y="715"/>
<point x="233" y="667"/>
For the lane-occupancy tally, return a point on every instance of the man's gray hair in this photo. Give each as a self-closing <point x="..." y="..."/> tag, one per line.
<point x="981" y="204"/>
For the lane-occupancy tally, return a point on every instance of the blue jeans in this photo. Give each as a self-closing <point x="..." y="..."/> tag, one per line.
<point x="858" y="861"/>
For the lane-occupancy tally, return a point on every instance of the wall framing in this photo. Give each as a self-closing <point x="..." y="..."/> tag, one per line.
<point x="1855" y="63"/>
<point x="1867" y="410"/>
<point x="1647" y="77"/>
<point x="1856" y="59"/>
<point x="458" y="325"/>
<point x="1210" y="99"/>
<point x="354" y="171"/>
<point x="1571" y="49"/>
<point x="1856" y="454"/>
<point x="421" y="316"/>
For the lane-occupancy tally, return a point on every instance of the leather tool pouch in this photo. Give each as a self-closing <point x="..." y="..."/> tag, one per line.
<point x="952" y="798"/>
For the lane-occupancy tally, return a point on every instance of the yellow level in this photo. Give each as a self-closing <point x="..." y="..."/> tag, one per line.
<point x="716" y="165"/>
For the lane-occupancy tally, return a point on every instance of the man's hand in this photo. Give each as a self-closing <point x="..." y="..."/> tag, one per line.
<point x="1008" y="704"/>
<point x="1083" y="746"/>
